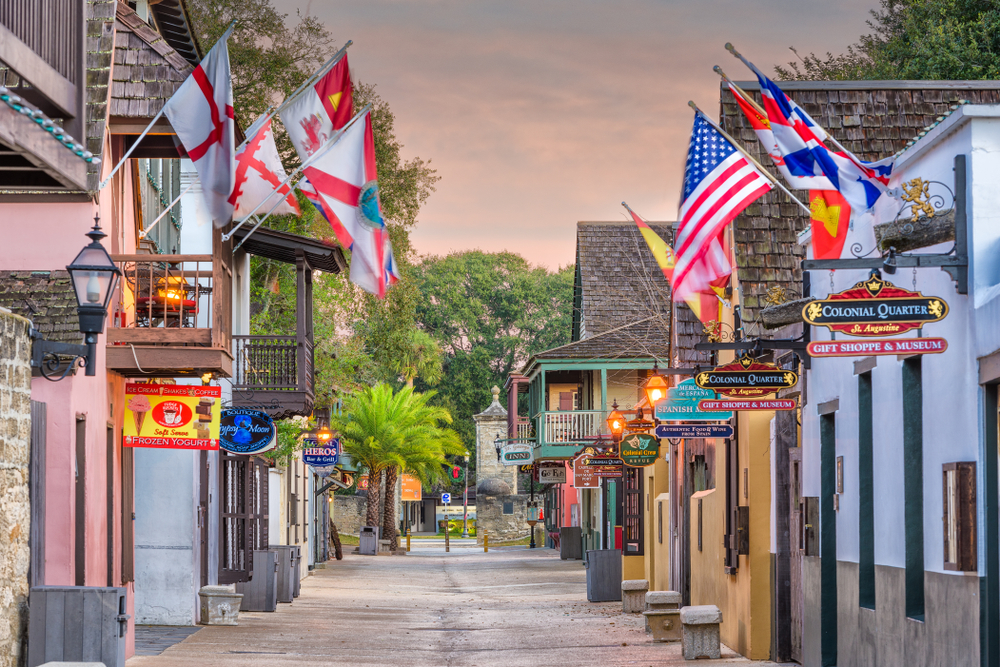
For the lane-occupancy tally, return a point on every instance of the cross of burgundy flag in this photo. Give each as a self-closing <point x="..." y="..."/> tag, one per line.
<point x="201" y="113"/>
<point x="320" y="110"/>
<point x="258" y="173"/>
<point x="719" y="182"/>
<point x="345" y="178"/>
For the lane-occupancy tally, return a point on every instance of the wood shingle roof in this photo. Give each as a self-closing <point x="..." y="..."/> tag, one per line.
<point x="873" y="119"/>
<point x="46" y="298"/>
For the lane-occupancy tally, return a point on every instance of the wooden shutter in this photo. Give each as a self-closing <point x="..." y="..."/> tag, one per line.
<point x="128" y="515"/>
<point x="36" y="494"/>
<point x="235" y="543"/>
<point x="565" y="400"/>
<point x="632" y="538"/>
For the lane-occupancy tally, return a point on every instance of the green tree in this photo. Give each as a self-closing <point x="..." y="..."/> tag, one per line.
<point x="489" y="312"/>
<point x="915" y="39"/>
<point x="392" y="432"/>
<point x="422" y="358"/>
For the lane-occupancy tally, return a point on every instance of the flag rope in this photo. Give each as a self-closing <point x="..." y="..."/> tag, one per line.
<point x="747" y="155"/>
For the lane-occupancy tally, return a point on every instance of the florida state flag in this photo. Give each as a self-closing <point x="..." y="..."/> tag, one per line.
<point x="831" y="219"/>
<point x="320" y="110"/>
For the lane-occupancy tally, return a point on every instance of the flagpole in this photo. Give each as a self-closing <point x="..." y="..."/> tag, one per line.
<point x="295" y="172"/>
<point x="144" y="233"/>
<point x="737" y="54"/>
<point x="326" y="67"/>
<point x="747" y="155"/>
<point x="743" y="93"/>
<point x="159" y="113"/>
<point x="261" y="221"/>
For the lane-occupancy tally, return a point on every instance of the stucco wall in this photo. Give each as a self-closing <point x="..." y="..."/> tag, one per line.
<point x="15" y="512"/>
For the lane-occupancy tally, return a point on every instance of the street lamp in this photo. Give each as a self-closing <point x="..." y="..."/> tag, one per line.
<point x="465" y="500"/>
<point x="93" y="276"/>
<point x="655" y="388"/>
<point x="616" y="420"/>
<point x="324" y="435"/>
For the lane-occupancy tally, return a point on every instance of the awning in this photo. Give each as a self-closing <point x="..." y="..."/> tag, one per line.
<point x="282" y="247"/>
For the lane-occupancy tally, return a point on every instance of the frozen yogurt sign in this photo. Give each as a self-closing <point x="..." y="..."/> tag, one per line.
<point x="171" y="416"/>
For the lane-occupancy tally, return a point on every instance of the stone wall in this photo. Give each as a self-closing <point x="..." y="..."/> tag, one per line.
<point x="491" y="423"/>
<point x="15" y="511"/>
<point x="501" y="527"/>
<point x="349" y="513"/>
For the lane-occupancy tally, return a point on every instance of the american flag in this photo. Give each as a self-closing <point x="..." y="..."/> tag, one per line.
<point x="719" y="182"/>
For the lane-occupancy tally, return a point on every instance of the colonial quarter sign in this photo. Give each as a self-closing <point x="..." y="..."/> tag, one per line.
<point x="746" y="378"/>
<point x="875" y="307"/>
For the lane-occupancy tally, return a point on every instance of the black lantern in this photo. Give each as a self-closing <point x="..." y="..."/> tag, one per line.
<point x="498" y="443"/>
<point x="94" y="276"/>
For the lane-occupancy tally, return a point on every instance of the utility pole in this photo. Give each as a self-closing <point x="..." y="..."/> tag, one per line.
<point x="465" y="500"/>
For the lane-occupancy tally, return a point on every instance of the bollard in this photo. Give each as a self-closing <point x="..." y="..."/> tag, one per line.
<point x="407" y="539"/>
<point x="447" y="539"/>
<point x="486" y="542"/>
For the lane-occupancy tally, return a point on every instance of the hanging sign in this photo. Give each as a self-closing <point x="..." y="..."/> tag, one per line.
<point x="746" y="378"/>
<point x="875" y="307"/>
<point x="363" y="482"/>
<point x="638" y="426"/>
<point x="639" y="450"/>
<point x="760" y="404"/>
<point x="246" y="431"/>
<point x="411" y="488"/>
<point x="171" y="416"/>
<point x="681" y="404"/>
<point x="584" y="476"/>
<point x="866" y="348"/>
<point x="552" y="473"/>
<point x="315" y="454"/>
<point x="527" y="468"/>
<point x="516" y="453"/>
<point x="325" y="471"/>
<point x="694" y="431"/>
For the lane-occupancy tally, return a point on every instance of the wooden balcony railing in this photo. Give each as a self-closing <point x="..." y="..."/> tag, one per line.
<point x="176" y="307"/>
<point x="273" y="373"/>
<point x="570" y="426"/>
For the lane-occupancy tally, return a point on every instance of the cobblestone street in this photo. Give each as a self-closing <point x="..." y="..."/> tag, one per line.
<point x="509" y="607"/>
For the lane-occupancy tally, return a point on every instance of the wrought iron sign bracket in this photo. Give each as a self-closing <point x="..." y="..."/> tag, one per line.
<point x="955" y="263"/>
<point x="798" y="346"/>
<point x="45" y="356"/>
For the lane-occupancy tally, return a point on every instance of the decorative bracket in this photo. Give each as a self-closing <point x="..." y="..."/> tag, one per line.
<point x="45" y="356"/>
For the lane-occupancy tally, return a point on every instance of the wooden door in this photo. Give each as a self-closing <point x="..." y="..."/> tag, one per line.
<point x="796" y="536"/>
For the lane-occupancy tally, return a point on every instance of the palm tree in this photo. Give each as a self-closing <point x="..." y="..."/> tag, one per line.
<point x="392" y="432"/>
<point x="422" y="358"/>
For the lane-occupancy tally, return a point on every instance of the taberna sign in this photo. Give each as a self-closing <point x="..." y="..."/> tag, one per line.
<point x="246" y="431"/>
<point x="875" y="307"/>
<point x="314" y="454"/>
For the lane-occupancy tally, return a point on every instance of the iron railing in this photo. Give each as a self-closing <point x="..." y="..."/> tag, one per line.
<point x="272" y="363"/>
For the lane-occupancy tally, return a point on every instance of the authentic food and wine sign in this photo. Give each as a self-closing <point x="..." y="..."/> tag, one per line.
<point x="875" y="307"/>
<point x="746" y="378"/>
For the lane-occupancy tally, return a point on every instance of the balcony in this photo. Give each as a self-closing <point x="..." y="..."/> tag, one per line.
<point x="572" y="427"/>
<point x="274" y="374"/>
<point x="175" y="318"/>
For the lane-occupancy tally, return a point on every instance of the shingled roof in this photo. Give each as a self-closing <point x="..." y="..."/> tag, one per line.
<point x="46" y="298"/>
<point x="644" y="339"/>
<point x="874" y="119"/>
<point x="617" y="280"/>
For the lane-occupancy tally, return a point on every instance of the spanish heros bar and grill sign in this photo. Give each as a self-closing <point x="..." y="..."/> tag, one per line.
<point x="875" y="307"/>
<point x="320" y="456"/>
<point x="246" y="431"/>
<point x="746" y="378"/>
<point x="639" y="450"/>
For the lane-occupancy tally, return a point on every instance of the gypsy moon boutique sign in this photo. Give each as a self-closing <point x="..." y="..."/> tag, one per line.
<point x="639" y="450"/>
<point x="681" y="404"/>
<point x="865" y="348"/>
<point x="171" y="416"/>
<point x="246" y="431"/>
<point x="516" y="454"/>
<point x="875" y="307"/>
<point x="746" y="378"/>
<point x="316" y="455"/>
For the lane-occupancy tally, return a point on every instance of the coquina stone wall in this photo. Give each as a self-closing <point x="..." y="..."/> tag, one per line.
<point x="502" y="527"/>
<point x="349" y="513"/>
<point x="15" y="512"/>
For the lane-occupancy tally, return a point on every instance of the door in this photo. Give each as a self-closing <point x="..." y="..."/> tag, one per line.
<point x="796" y="537"/>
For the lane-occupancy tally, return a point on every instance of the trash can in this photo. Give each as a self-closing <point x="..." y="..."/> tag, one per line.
<point x="368" y="541"/>
<point x="296" y="571"/>
<point x="261" y="592"/>
<point x="604" y="575"/>
<point x="77" y="624"/>
<point x="570" y="543"/>
<point x="285" y="572"/>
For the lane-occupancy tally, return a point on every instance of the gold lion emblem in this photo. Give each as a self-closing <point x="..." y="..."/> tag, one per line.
<point x="703" y="378"/>
<point x="813" y="310"/>
<point x="936" y="308"/>
<point x="789" y="379"/>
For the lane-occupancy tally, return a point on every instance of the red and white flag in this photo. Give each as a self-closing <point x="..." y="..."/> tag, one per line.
<point x="320" y="110"/>
<point x="345" y="178"/>
<point x="719" y="182"/>
<point x="258" y="173"/>
<point x="201" y="113"/>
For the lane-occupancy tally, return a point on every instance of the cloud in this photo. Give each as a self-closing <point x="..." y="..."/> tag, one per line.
<point x="540" y="113"/>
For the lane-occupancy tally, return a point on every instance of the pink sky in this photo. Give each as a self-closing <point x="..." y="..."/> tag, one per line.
<point x="540" y="113"/>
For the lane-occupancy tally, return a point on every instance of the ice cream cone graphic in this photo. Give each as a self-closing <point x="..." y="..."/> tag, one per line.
<point x="139" y="406"/>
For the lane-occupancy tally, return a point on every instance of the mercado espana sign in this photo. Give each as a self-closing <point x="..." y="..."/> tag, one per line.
<point x="759" y="404"/>
<point x="681" y="404"/>
<point x="321" y="456"/>
<point x="171" y="416"/>
<point x="246" y="431"/>
<point x="639" y="450"/>
<point x="517" y="453"/>
<point x="746" y="378"/>
<point x="875" y="307"/>
<point x="865" y="348"/>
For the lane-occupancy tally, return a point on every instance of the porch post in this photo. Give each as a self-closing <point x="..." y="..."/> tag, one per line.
<point x="604" y="390"/>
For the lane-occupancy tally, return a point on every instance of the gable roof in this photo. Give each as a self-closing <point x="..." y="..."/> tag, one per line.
<point x="647" y="338"/>
<point x="873" y="119"/>
<point x="617" y="279"/>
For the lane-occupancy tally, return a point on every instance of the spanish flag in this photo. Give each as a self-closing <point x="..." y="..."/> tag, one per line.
<point x="662" y="252"/>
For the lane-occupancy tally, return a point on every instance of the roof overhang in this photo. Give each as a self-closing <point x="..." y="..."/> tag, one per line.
<point x="284" y="247"/>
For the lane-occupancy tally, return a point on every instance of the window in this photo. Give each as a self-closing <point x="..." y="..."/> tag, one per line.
<point x="960" y="516"/>
<point x="633" y="511"/>
<point x="508" y="507"/>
